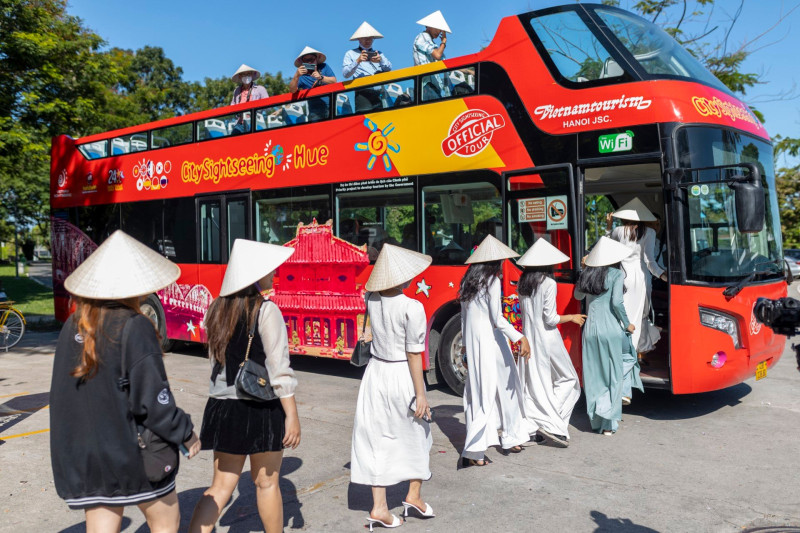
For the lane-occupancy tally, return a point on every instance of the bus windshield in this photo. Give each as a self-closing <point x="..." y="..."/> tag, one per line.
<point x="717" y="251"/>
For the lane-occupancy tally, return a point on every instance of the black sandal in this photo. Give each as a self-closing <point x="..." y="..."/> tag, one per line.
<point x="466" y="462"/>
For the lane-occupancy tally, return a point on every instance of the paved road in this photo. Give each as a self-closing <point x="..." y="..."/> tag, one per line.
<point x="721" y="461"/>
<point x="41" y="272"/>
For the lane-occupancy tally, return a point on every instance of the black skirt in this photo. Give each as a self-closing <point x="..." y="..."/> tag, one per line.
<point x="242" y="427"/>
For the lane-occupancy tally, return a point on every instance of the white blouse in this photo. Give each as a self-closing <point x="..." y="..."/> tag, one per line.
<point x="398" y="326"/>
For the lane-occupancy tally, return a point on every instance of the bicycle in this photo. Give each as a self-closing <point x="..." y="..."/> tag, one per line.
<point x="12" y="325"/>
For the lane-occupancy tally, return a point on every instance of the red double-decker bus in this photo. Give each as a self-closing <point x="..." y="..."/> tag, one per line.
<point x="567" y="114"/>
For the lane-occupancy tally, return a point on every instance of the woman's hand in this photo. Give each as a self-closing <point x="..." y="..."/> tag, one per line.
<point x="301" y="70"/>
<point x="193" y="445"/>
<point x="609" y="220"/>
<point x="316" y="75"/>
<point x="578" y="319"/>
<point x="423" y="409"/>
<point x="631" y="328"/>
<point x="525" y="348"/>
<point x="292" y="437"/>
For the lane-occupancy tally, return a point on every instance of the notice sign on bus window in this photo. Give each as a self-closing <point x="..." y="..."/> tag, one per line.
<point x="615" y="142"/>
<point x="556" y="212"/>
<point x="532" y="209"/>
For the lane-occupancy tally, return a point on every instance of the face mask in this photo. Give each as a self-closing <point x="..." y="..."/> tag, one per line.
<point x="247" y="79"/>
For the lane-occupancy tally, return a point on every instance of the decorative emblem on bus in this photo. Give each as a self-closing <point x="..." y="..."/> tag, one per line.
<point x="755" y="325"/>
<point x="719" y="108"/>
<point x="378" y="145"/>
<point x="151" y="175"/>
<point x="471" y="132"/>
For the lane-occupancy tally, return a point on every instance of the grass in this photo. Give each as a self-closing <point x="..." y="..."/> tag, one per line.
<point x="29" y="297"/>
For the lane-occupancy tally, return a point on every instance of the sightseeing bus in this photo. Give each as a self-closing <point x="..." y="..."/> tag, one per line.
<point x="567" y="114"/>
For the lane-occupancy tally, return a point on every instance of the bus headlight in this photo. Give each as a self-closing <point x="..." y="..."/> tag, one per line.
<point x="722" y="322"/>
<point x="718" y="359"/>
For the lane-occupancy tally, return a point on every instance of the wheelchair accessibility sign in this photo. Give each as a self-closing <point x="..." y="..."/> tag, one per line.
<point x="556" y="212"/>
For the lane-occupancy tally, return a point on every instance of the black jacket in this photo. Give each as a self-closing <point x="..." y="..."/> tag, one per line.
<point x="93" y="445"/>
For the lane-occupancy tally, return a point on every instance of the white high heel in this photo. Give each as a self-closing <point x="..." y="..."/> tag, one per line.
<point x="427" y="514"/>
<point x="396" y="522"/>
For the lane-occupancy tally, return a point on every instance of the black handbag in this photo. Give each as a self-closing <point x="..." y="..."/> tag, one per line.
<point x="252" y="379"/>
<point x="159" y="457"/>
<point x="361" y="353"/>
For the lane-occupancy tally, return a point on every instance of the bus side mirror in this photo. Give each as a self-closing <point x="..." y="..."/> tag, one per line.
<point x="749" y="198"/>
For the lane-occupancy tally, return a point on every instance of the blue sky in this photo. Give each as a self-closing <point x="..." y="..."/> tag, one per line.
<point x="210" y="38"/>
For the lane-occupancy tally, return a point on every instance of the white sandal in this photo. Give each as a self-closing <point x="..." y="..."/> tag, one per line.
<point x="427" y="514"/>
<point x="396" y="522"/>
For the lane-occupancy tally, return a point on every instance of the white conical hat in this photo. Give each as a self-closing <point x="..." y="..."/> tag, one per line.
<point x="395" y="266"/>
<point x="241" y="70"/>
<point x="491" y="250"/>
<point x="607" y="252"/>
<point x="435" y="20"/>
<point x="308" y="50"/>
<point x="366" y="30"/>
<point x="120" y="268"/>
<point x="542" y="253"/>
<point x="250" y="261"/>
<point x="634" y="210"/>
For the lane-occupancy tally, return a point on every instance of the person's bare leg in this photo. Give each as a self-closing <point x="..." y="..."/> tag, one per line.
<point x="380" y="509"/>
<point x="265" y="468"/>
<point x="227" y="469"/>
<point x="414" y="497"/>
<point x="103" y="519"/>
<point x="163" y="514"/>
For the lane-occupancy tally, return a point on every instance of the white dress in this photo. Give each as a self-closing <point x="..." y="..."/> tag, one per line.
<point x="492" y="399"/>
<point x="635" y="266"/>
<point x="550" y="386"/>
<point x="389" y="444"/>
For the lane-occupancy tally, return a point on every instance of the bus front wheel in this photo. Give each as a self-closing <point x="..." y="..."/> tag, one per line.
<point x="448" y="359"/>
<point x="151" y="308"/>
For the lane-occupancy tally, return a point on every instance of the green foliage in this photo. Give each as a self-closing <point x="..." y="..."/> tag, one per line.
<point x="787" y="181"/>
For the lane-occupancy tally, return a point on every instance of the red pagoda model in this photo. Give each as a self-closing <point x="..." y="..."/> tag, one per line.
<point x="317" y="293"/>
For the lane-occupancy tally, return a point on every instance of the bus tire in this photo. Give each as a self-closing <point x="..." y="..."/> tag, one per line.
<point x="448" y="358"/>
<point x="151" y="308"/>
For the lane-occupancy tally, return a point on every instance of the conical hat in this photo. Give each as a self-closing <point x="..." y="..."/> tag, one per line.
<point x="395" y="266"/>
<point x="634" y="210"/>
<point x="308" y="50"/>
<point x="366" y="30"/>
<point x="120" y="268"/>
<point x="491" y="250"/>
<point x="542" y="253"/>
<point x="250" y="261"/>
<point x="435" y="20"/>
<point x="241" y="70"/>
<point x="607" y="252"/>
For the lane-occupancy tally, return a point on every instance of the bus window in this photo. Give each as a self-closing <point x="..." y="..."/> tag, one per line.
<point x="210" y="232"/>
<point x="457" y="82"/>
<point x="126" y="144"/>
<point x="457" y="218"/>
<point x="375" y="98"/>
<point x="237" y="220"/>
<point x="171" y="136"/>
<point x="94" y="150"/>
<point x="98" y="222"/>
<point x="142" y="221"/>
<point x="576" y="52"/>
<point x="223" y="126"/>
<point x="277" y="217"/>
<point x="179" y="230"/>
<point x="598" y="207"/>
<point x="300" y="112"/>
<point x="375" y="218"/>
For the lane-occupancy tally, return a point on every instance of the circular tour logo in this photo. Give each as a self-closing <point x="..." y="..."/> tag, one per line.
<point x="471" y="132"/>
<point x="151" y="176"/>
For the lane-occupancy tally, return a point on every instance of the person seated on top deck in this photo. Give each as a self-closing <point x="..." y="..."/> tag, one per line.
<point x="312" y="71"/>
<point x="426" y="51"/>
<point x="246" y="91"/>
<point x="364" y="61"/>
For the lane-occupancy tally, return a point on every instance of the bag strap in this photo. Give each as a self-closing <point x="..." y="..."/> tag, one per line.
<point x="123" y="383"/>
<point x="252" y="333"/>
<point x="366" y="314"/>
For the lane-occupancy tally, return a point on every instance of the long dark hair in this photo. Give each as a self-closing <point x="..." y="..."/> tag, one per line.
<point x="634" y="230"/>
<point x="593" y="279"/>
<point x="532" y="278"/>
<point x="223" y="315"/>
<point x="90" y="316"/>
<point x="477" y="279"/>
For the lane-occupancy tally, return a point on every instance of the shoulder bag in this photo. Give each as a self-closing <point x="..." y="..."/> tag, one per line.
<point x="160" y="457"/>
<point x="252" y="379"/>
<point x="361" y="353"/>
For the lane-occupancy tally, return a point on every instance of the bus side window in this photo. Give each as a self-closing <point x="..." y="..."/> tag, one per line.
<point x="278" y="212"/>
<point x="171" y="136"/>
<point x="98" y="222"/>
<point x="210" y="233"/>
<point x="457" y="82"/>
<point x="94" y="150"/>
<point x="375" y="98"/>
<point x="143" y="222"/>
<point x="457" y="218"/>
<point x="126" y="144"/>
<point x="223" y="126"/>
<point x="179" y="231"/>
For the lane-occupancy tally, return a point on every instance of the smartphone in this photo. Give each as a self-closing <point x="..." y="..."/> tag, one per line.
<point x="370" y="55"/>
<point x="413" y="408"/>
<point x="183" y="450"/>
<point x="310" y="67"/>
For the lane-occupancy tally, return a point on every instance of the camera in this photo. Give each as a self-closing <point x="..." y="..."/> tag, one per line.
<point x="782" y="316"/>
<point x="370" y="55"/>
<point x="310" y="67"/>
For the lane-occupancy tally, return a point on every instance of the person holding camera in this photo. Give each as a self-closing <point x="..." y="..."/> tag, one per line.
<point x="312" y="71"/>
<point x="427" y="51"/>
<point x="363" y="60"/>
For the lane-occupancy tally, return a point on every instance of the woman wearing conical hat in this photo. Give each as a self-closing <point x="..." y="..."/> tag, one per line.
<point x="550" y="386"/>
<point x="610" y="368"/>
<point x="638" y="267"/>
<point x="234" y="426"/>
<point x="247" y="88"/>
<point x="391" y="432"/>
<point x="108" y="372"/>
<point x="492" y="399"/>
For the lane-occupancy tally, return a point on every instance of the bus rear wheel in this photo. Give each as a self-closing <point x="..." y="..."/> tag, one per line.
<point x="151" y="308"/>
<point x="448" y="359"/>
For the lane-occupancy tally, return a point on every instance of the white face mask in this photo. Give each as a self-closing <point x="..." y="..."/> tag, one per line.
<point x="247" y="79"/>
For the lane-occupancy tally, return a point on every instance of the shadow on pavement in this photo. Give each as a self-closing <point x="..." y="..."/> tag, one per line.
<point x="81" y="528"/>
<point x="359" y="497"/>
<point x="663" y="405"/>
<point x="617" y="525"/>
<point x="19" y="408"/>
<point x="445" y="417"/>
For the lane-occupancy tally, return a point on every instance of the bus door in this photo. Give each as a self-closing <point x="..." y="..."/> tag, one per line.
<point x="541" y="203"/>
<point x="221" y="219"/>
<point x="606" y="188"/>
